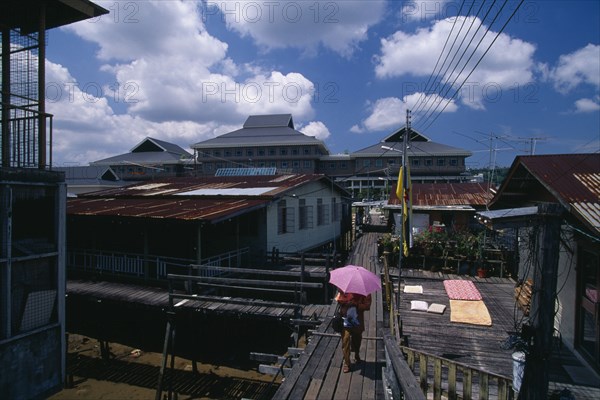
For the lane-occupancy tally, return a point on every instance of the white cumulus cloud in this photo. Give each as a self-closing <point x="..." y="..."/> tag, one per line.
<point x="172" y="78"/>
<point x="508" y="62"/>
<point x="587" y="105"/>
<point x="580" y="67"/>
<point x="337" y="25"/>
<point x="390" y="112"/>
<point x="316" y="129"/>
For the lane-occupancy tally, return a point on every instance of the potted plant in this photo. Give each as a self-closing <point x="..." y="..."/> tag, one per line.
<point x="432" y="241"/>
<point x="389" y="245"/>
<point x="468" y="248"/>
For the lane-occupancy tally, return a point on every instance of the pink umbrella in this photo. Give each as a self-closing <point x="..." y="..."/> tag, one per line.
<point x="355" y="279"/>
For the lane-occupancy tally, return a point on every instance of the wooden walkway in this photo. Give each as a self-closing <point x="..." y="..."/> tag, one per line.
<point x="318" y="372"/>
<point x="158" y="299"/>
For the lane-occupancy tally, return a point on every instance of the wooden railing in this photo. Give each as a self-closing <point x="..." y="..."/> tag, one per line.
<point x="147" y="267"/>
<point x="448" y="379"/>
<point x="399" y="380"/>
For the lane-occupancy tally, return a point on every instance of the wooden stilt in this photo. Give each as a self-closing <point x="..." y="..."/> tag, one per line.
<point x="172" y="395"/>
<point x="165" y="355"/>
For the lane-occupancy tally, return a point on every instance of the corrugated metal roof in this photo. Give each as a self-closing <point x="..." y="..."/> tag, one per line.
<point x="446" y="194"/>
<point x="573" y="179"/>
<point x="206" y="198"/>
<point x="164" y="208"/>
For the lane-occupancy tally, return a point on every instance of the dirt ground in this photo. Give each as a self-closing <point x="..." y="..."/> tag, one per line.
<point x="133" y="374"/>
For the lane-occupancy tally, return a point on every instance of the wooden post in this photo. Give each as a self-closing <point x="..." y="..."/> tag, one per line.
<point x="535" y="379"/>
<point x="325" y="284"/>
<point x="147" y="274"/>
<point x="302" y="266"/>
<point x="164" y="361"/>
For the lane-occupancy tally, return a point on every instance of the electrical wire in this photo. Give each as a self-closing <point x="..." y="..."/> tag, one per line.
<point x="464" y="20"/>
<point x="440" y="56"/>
<point x="476" y="64"/>
<point x="432" y="118"/>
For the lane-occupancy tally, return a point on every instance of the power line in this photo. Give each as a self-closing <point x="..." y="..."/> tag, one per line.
<point x="440" y="56"/>
<point x="478" y="62"/>
<point x="459" y="47"/>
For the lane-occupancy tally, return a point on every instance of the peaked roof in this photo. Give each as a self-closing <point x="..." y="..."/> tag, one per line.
<point x="398" y="136"/>
<point x="150" y="144"/>
<point x="269" y="121"/>
<point x="263" y="130"/>
<point x="88" y="173"/>
<point x="573" y="180"/>
<point x="419" y="146"/>
<point x="149" y="152"/>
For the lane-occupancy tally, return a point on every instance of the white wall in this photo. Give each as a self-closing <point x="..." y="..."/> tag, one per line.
<point x="307" y="238"/>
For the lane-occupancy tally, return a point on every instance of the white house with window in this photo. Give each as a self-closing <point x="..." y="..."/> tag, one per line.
<point x="307" y="217"/>
<point x="240" y="210"/>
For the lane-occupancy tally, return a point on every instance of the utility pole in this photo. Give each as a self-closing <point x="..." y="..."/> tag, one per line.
<point x="536" y="377"/>
<point x="405" y="140"/>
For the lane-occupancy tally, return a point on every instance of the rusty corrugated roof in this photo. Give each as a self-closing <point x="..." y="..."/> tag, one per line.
<point x="167" y="208"/>
<point x="184" y="198"/>
<point x="574" y="179"/>
<point x="446" y="194"/>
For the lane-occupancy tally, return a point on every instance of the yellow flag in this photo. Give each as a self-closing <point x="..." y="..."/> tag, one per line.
<point x="404" y="194"/>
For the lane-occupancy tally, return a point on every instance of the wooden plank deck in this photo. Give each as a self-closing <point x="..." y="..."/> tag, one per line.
<point x="158" y="298"/>
<point x="477" y="346"/>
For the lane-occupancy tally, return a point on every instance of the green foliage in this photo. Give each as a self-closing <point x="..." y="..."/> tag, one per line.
<point x="464" y="242"/>
<point x="468" y="244"/>
<point x="433" y="239"/>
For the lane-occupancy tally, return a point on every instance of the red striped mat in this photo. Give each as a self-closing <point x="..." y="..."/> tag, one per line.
<point x="461" y="290"/>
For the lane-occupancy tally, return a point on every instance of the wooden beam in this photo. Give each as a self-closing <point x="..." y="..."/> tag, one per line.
<point x="274" y="370"/>
<point x="253" y="271"/>
<point x="251" y="288"/>
<point x="260" y="282"/>
<point x="235" y="301"/>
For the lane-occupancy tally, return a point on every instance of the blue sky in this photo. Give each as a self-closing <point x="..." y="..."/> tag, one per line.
<point x="186" y="71"/>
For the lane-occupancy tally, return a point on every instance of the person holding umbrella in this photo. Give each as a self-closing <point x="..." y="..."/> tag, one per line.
<point x="355" y="286"/>
<point x="353" y="307"/>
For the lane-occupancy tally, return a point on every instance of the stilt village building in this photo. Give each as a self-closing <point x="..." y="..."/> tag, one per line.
<point x="272" y="141"/>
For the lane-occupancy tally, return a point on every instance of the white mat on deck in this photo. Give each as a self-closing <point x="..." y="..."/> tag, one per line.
<point x="413" y="289"/>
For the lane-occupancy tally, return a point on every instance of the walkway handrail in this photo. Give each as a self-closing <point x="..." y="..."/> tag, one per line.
<point x="143" y="266"/>
<point x="399" y="378"/>
<point x="455" y="372"/>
